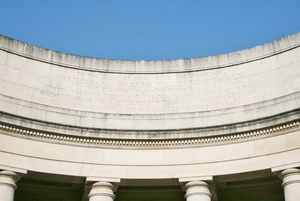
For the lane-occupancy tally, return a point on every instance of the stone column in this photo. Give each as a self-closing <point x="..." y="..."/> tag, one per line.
<point x="102" y="191"/>
<point x="197" y="191"/>
<point x="8" y="185"/>
<point x="291" y="184"/>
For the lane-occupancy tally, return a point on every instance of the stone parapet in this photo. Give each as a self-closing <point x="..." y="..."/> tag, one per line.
<point x="244" y="86"/>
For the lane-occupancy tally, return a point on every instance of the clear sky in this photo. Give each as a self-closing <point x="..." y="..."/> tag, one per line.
<point x="148" y="30"/>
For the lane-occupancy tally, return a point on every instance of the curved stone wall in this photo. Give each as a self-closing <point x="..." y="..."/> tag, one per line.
<point x="109" y="120"/>
<point x="58" y="88"/>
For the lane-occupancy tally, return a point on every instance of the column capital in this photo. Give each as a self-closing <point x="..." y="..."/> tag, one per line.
<point x="290" y="176"/>
<point x="291" y="184"/>
<point x="9" y="178"/>
<point x="197" y="188"/>
<point x="103" y="188"/>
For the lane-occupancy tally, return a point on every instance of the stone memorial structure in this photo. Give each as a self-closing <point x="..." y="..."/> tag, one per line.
<point x="217" y="128"/>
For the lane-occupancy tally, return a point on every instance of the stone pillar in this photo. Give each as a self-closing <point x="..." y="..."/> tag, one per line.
<point x="8" y="185"/>
<point x="197" y="191"/>
<point x="102" y="191"/>
<point x="291" y="184"/>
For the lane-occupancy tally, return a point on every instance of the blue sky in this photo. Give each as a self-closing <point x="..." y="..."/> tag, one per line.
<point x="148" y="30"/>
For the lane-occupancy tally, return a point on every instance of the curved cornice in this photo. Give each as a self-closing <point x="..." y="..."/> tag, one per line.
<point x="201" y="140"/>
<point x="166" y="134"/>
<point x="113" y="143"/>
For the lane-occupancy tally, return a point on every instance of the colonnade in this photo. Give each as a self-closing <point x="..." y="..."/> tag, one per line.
<point x="195" y="190"/>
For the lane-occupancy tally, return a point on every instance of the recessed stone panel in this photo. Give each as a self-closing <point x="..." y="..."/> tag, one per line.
<point x="152" y="93"/>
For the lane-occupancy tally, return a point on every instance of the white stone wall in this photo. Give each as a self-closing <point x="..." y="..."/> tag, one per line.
<point x="146" y="95"/>
<point x="40" y="87"/>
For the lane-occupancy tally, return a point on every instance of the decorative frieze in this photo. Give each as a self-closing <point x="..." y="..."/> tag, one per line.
<point x="58" y="138"/>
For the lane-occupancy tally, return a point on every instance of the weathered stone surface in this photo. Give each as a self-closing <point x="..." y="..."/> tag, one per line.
<point x="146" y="95"/>
<point x="146" y="120"/>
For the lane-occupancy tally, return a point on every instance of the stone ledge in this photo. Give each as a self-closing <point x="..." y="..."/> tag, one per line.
<point x="158" y="134"/>
<point x="100" y="142"/>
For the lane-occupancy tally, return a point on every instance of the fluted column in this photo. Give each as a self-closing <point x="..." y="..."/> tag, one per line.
<point x="291" y="184"/>
<point x="8" y="185"/>
<point x="102" y="191"/>
<point x="197" y="191"/>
